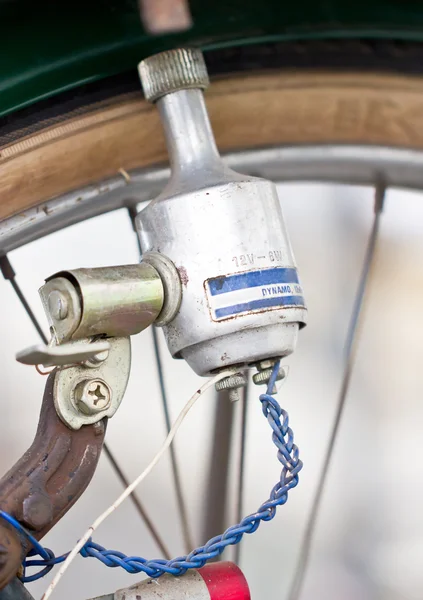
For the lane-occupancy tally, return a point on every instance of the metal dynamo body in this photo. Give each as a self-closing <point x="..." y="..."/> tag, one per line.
<point x="241" y="298"/>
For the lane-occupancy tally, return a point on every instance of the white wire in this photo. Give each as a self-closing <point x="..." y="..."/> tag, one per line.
<point x="127" y="492"/>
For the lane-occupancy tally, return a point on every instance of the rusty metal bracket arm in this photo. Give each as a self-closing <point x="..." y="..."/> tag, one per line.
<point x="47" y="481"/>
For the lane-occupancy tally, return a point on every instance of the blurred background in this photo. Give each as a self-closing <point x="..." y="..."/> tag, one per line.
<point x="369" y="538"/>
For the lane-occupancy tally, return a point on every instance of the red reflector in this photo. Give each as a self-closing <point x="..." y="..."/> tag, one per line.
<point x="225" y="581"/>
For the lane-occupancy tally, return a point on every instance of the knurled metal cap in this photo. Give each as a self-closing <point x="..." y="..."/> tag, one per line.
<point x="180" y="69"/>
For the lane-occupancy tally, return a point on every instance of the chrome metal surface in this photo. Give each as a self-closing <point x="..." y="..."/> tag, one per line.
<point x="114" y="371"/>
<point x="193" y="155"/>
<point x="214" y="223"/>
<point x="116" y="301"/>
<point x="350" y="349"/>
<point x="171" y="71"/>
<point x="65" y="354"/>
<point x="360" y="165"/>
<point x="211" y="233"/>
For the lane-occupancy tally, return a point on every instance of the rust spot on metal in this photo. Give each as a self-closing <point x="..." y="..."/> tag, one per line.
<point x="49" y="478"/>
<point x="165" y="16"/>
<point x="183" y="275"/>
<point x="220" y="281"/>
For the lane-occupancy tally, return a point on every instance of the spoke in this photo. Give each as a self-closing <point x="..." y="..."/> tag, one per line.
<point x="350" y="352"/>
<point x="137" y="503"/>
<point x="183" y="513"/>
<point x="10" y="275"/>
<point x="217" y="481"/>
<point x="239" y="501"/>
<point x="182" y="509"/>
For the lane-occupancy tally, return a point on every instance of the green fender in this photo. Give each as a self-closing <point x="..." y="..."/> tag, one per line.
<point x="48" y="46"/>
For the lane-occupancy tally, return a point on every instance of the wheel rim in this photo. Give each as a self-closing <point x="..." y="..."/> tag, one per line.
<point x="347" y="164"/>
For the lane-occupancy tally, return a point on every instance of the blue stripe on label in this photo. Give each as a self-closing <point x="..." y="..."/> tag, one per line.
<point x="229" y="311"/>
<point x="230" y="283"/>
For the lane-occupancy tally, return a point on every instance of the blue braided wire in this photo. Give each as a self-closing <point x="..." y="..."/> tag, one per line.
<point x="48" y="559"/>
<point x="288" y="456"/>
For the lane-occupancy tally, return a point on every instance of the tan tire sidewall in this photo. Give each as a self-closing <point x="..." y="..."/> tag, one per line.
<point x="247" y="111"/>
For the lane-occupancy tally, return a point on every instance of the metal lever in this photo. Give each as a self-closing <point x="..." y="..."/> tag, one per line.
<point x="65" y="354"/>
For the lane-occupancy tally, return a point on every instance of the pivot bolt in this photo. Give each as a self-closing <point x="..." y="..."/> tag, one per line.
<point x="97" y="359"/>
<point x="58" y="305"/>
<point x="92" y="396"/>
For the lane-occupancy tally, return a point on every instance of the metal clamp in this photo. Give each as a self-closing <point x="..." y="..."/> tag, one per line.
<point x="113" y="301"/>
<point x="86" y="306"/>
<point x="88" y="392"/>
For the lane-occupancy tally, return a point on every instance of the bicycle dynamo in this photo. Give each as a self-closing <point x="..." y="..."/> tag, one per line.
<point x="217" y="274"/>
